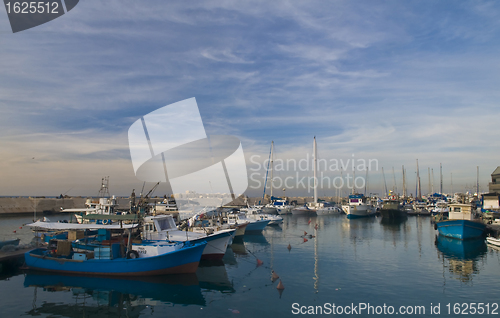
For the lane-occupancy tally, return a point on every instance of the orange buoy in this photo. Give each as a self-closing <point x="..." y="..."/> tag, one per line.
<point x="309" y="221"/>
<point x="305" y="240"/>
<point x="280" y="286"/>
<point x="305" y="233"/>
<point x="274" y="276"/>
<point x="20" y="227"/>
<point x="259" y="262"/>
<point x="316" y="226"/>
<point x="289" y="247"/>
<point x="14" y="231"/>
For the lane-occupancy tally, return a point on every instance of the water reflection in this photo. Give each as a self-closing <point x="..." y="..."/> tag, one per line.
<point x="212" y="275"/>
<point x="126" y="297"/>
<point x="461" y="256"/>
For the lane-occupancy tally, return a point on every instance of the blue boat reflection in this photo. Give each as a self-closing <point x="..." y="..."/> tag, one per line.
<point x="460" y="249"/>
<point x="461" y="256"/>
<point x="177" y="289"/>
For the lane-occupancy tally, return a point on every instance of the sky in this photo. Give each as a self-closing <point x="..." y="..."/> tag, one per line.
<point x="391" y="81"/>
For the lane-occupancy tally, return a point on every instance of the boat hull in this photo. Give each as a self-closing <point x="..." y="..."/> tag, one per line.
<point x="182" y="261"/>
<point x="257" y="226"/>
<point x="358" y="211"/>
<point x="393" y="213"/>
<point x="303" y="211"/>
<point x="461" y="229"/>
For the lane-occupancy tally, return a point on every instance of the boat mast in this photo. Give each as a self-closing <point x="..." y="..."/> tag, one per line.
<point x="315" y="155"/>
<point x="265" y="182"/>
<point x="429" y="175"/>
<point x="404" y="182"/>
<point x="432" y="184"/>
<point x="441" y="178"/>
<point x="272" y="168"/>
<point x="385" y="183"/>
<point x="418" y="183"/>
<point x="395" y="186"/>
<point x="477" y="182"/>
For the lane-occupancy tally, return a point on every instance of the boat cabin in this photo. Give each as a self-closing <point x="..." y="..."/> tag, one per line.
<point x="460" y="212"/>
<point x="357" y="199"/>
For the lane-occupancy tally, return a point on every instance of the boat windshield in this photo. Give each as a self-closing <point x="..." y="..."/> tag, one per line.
<point x="165" y="224"/>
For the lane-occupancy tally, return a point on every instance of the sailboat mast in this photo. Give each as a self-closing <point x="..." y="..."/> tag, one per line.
<point x="315" y="155"/>
<point x="265" y="182"/>
<point x="477" y="182"/>
<point x="272" y="168"/>
<point x="418" y="183"/>
<point x="385" y="183"/>
<point x="441" y="178"/>
<point x="432" y="184"/>
<point x="404" y="182"/>
<point x="429" y="175"/>
<point x="395" y="186"/>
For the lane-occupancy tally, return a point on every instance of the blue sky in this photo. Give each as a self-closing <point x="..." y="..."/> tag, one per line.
<point x="391" y="80"/>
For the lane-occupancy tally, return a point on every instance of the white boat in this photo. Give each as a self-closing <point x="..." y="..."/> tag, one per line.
<point x="163" y="228"/>
<point x="255" y="214"/>
<point x="282" y="206"/>
<point x="493" y="241"/>
<point x="105" y="205"/>
<point x="327" y="210"/>
<point x="358" y="207"/>
<point x="253" y="225"/>
<point x="441" y="208"/>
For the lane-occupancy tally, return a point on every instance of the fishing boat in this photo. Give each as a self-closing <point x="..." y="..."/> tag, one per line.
<point x="163" y="228"/>
<point x="358" y="207"/>
<point x="461" y="223"/>
<point x="179" y="258"/>
<point x="420" y="208"/>
<point x="391" y="209"/>
<point x="252" y="214"/>
<point x="253" y="224"/>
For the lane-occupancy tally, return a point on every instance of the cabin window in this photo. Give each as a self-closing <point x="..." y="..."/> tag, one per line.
<point x="354" y="200"/>
<point x="457" y="209"/>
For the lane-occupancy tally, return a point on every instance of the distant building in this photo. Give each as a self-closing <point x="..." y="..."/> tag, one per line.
<point x="494" y="185"/>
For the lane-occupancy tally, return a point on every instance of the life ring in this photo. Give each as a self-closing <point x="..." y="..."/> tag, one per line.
<point x="106" y="222"/>
<point x="132" y="254"/>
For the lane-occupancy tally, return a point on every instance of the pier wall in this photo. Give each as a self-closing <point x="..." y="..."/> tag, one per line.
<point x="19" y="205"/>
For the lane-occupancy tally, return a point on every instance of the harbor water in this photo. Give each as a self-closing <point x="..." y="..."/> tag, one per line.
<point x="350" y="264"/>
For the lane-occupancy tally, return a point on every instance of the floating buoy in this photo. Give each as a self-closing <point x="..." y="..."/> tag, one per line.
<point x="305" y="240"/>
<point x="289" y="247"/>
<point x="274" y="276"/>
<point x="259" y="262"/>
<point x="14" y="231"/>
<point x="305" y="233"/>
<point x="20" y="227"/>
<point x="280" y="286"/>
<point x="309" y="222"/>
<point x="316" y="226"/>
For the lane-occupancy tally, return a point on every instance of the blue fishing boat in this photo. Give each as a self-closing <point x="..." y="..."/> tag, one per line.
<point x="461" y="223"/>
<point x="178" y="258"/>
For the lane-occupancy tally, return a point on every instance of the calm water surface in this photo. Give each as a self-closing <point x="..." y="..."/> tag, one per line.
<point x="346" y="262"/>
